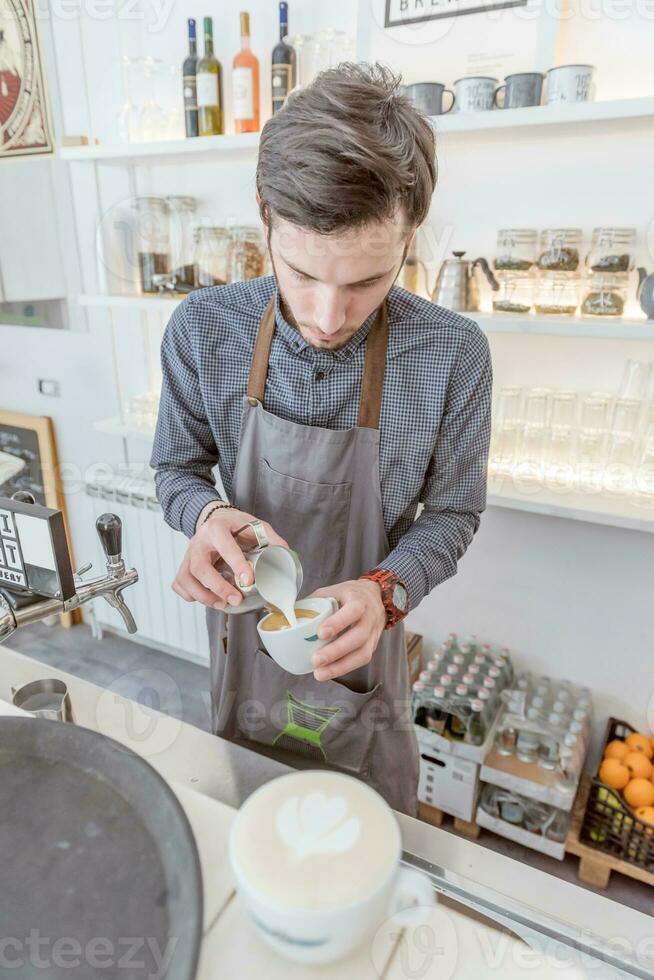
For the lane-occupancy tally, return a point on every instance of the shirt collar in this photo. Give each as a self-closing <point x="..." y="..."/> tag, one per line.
<point x="297" y="342"/>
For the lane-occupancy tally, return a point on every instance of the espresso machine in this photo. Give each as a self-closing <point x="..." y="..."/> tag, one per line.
<point x="36" y="577"/>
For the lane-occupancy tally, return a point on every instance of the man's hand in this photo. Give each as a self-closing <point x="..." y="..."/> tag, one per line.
<point x="362" y="616"/>
<point x="197" y="580"/>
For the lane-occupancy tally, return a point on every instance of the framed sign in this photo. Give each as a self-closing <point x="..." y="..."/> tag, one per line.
<point x="402" y="12"/>
<point x="34" y="553"/>
<point x="28" y="461"/>
<point x="24" y="117"/>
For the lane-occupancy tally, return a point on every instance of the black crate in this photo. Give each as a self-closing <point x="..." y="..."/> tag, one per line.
<point x="609" y="825"/>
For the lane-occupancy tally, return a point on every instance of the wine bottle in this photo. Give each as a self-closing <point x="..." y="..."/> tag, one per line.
<point x="283" y="63"/>
<point x="189" y="71"/>
<point x="209" y="87"/>
<point x="245" y="83"/>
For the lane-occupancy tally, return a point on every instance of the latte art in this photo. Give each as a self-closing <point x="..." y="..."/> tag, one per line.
<point x="317" y="824"/>
<point x="278" y="621"/>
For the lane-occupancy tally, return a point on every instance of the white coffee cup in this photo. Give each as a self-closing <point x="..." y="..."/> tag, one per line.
<point x="293" y="647"/>
<point x="569" y="83"/>
<point x="316" y="858"/>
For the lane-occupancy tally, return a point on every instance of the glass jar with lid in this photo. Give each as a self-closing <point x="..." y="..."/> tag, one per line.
<point x="612" y="250"/>
<point x="558" y="293"/>
<point x="212" y="255"/>
<point x="152" y="233"/>
<point x="559" y="249"/>
<point x="182" y="209"/>
<point x="606" y="294"/>
<point x="246" y="254"/>
<point x="515" y="293"/>
<point x="516" y="249"/>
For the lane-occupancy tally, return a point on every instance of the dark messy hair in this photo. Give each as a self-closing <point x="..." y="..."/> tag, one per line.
<point x="347" y="150"/>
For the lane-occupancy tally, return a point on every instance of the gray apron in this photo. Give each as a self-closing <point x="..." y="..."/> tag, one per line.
<point x="319" y="489"/>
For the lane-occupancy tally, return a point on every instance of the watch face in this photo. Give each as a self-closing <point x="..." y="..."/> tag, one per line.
<point x="400" y="598"/>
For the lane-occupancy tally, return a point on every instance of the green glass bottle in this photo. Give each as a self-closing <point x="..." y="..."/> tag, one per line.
<point x="209" y="87"/>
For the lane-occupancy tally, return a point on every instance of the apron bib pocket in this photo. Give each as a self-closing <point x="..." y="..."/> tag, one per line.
<point x="323" y="721"/>
<point x="313" y="517"/>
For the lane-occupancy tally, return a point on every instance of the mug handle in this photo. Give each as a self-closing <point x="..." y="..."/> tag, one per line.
<point x="495" y="95"/>
<point x="334" y="604"/>
<point x="413" y="899"/>
<point x="448" y="91"/>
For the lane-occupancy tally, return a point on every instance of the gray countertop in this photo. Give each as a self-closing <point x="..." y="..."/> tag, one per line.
<point x="527" y="901"/>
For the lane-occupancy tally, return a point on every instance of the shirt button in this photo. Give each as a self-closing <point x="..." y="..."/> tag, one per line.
<point x="320" y="375"/>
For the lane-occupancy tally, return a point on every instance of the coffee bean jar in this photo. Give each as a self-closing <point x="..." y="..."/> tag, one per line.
<point x="516" y="249"/>
<point x="557" y="293"/>
<point x="559" y="249"/>
<point x="606" y="294"/>
<point x="515" y="293"/>
<point x="612" y="250"/>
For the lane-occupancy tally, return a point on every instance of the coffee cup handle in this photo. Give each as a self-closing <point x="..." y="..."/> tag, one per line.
<point x="334" y="603"/>
<point x="413" y="899"/>
<point x="448" y="91"/>
<point x="500" y="88"/>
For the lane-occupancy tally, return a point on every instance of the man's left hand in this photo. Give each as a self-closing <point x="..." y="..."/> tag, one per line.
<point x="363" y="618"/>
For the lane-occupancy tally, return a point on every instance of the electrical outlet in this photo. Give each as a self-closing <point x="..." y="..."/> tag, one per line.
<point x="49" y="387"/>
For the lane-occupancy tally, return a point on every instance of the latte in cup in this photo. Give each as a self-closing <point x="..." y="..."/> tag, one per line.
<point x="315" y="855"/>
<point x="278" y="621"/>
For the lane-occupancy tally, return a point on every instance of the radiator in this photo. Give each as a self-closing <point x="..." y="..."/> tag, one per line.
<point x="156" y="551"/>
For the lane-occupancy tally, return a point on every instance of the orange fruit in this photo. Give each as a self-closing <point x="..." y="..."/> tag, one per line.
<point x="614" y="774"/>
<point x="646" y="814"/>
<point x="638" y="742"/>
<point x="639" y="792"/>
<point x="638" y="765"/>
<point x="616" y="750"/>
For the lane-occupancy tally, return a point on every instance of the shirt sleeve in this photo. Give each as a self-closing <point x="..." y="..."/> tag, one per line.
<point x="454" y="490"/>
<point x="184" y="451"/>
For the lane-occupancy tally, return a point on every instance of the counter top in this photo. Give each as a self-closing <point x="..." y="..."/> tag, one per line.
<point x="212" y="777"/>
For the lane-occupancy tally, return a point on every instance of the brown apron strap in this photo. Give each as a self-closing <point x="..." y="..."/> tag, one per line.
<point x="261" y="355"/>
<point x="372" y="383"/>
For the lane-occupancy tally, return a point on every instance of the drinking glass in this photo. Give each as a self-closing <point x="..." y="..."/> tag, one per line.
<point x="591" y="441"/>
<point x="561" y="454"/>
<point x="507" y="429"/>
<point x="644" y="475"/>
<point x="636" y="380"/>
<point x="535" y="434"/>
<point x="621" y="448"/>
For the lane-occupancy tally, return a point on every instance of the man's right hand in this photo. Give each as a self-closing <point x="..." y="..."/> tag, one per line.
<point x="197" y="580"/>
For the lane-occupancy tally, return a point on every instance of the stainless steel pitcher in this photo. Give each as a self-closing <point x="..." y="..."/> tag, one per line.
<point x="47" y="698"/>
<point x="456" y="284"/>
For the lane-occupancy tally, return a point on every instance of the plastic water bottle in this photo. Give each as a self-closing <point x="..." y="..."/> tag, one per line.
<point x="477" y="725"/>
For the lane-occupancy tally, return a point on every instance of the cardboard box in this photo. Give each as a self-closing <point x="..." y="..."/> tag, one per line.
<point x="462" y="750"/>
<point x="414" y="655"/>
<point x="448" y="782"/>
<point x="520" y="835"/>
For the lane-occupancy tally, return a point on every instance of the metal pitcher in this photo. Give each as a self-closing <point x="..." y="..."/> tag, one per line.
<point x="47" y="698"/>
<point x="456" y="284"/>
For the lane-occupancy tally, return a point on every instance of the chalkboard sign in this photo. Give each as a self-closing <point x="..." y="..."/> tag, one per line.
<point x="401" y="12"/>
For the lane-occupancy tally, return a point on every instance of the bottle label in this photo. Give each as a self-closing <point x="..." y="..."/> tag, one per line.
<point x="207" y="89"/>
<point x="282" y="80"/>
<point x="190" y="92"/>
<point x="243" y="93"/>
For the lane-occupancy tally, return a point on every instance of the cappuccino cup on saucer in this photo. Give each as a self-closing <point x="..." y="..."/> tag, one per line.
<point x="316" y="860"/>
<point x="292" y="647"/>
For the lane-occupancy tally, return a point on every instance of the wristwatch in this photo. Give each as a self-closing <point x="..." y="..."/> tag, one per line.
<point x="394" y="595"/>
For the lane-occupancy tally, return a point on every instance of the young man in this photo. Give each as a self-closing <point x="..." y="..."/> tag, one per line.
<point x="334" y="403"/>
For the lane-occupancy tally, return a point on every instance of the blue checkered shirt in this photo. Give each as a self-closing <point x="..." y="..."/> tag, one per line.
<point x="434" y="425"/>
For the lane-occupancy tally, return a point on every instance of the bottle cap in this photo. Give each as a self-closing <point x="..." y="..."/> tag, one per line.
<point x="461" y="690"/>
<point x="245" y="24"/>
<point x="477" y="705"/>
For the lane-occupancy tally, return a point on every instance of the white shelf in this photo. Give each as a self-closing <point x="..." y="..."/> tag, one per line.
<point x="115" y="427"/>
<point x="164" y="151"/>
<point x="566" y="326"/>
<point x="571" y="505"/>
<point x="560" y="114"/>
<point x="563" y="115"/>
<point x="146" y="304"/>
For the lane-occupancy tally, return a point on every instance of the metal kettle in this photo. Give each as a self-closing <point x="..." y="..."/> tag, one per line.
<point x="456" y="284"/>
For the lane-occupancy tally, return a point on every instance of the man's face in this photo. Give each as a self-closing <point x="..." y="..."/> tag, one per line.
<point x="330" y="284"/>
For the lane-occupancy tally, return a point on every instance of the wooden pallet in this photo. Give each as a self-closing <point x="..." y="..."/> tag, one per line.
<point x="434" y="816"/>
<point x="595" y="866"/>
